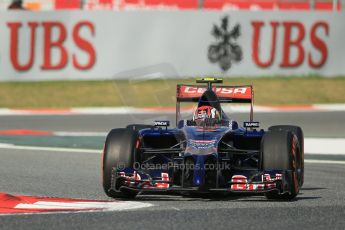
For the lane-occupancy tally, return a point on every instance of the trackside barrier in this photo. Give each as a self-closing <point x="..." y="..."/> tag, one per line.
<point x="80" y="45"/>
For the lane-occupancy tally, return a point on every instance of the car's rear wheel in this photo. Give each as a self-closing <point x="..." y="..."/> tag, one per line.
<point x="279" y="151"/>
<point x="119" y="152"/>
<point x="299" y="133"/>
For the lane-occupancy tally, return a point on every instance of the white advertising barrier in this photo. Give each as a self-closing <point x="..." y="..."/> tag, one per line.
<point x="81" y="45"/>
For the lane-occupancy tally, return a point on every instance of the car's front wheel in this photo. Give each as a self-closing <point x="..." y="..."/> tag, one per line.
<point x="299" y="133"/>
<point x="119" y="152"/>
<point x="279" y="151"/>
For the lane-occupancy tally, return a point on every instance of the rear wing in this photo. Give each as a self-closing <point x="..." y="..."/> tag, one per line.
<point x="226" y="94"/>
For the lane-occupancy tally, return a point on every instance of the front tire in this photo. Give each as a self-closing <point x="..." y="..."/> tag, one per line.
<point x="119" y="152"/>
<point x="279" y="152"/>
<point x="299" y="133"/>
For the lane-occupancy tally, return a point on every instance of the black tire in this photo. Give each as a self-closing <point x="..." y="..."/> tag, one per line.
<point x="299" y="133"/>
<point x="119" y="151"/>
<point x="278" y="152"/>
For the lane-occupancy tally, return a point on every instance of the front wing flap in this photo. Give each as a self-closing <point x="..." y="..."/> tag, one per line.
<point x="144" y="183"/>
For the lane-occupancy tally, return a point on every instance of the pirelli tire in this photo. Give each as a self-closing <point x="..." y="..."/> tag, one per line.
<point x="119" y="152"/>
<point x="299" y="133"/>
<point x="279" y="151"/>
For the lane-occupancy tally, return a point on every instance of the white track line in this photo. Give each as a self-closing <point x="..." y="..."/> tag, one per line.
<point x="100" y="206"/>
<point x="80" y="134"/>
<point x="84" y="207"/>
<point x="324" y="162"/>
<point x="330" y="107"/>
<point x="331" y="146"/>
<point x="323" y="146"/>
<point x="132" y="110"/>
<point x="315" y="146"/>
<point x="53" y="149"/>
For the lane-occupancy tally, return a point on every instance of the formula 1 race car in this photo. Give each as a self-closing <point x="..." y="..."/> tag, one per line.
<point x="209" y="153"/>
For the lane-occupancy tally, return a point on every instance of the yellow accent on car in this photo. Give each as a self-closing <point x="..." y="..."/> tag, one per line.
<point x="209" y="79"/>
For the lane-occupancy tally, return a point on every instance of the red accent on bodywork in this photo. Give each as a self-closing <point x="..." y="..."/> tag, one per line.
<point x="134" y="181"/>
<point x="131" y="181"/>
<point x="240" y="183"/>
<point x="241" y="180"/>
<point x="165" y="177"/>
<point x="235" y="92"/>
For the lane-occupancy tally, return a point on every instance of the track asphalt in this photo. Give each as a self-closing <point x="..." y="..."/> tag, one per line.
<point x="320" y="205"/>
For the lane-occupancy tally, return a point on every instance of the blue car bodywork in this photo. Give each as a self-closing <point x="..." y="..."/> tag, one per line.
<point x="219" y="156"/>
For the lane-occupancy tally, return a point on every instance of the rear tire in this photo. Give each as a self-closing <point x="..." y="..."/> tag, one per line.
<point x="119" y="152"/>
<point x="279" y="150"/>
<point x="299" y="133"/>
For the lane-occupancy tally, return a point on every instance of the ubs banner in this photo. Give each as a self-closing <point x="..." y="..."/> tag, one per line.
<point x="105" y="45"/>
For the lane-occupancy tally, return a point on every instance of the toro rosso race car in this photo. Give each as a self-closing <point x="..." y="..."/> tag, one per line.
<point x="209" y="153"/>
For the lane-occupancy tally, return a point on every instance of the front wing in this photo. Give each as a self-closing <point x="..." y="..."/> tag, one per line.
<point x="143" y="183"/>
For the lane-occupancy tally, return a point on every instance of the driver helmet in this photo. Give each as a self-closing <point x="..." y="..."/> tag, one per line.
<point x="204" y="112"/>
